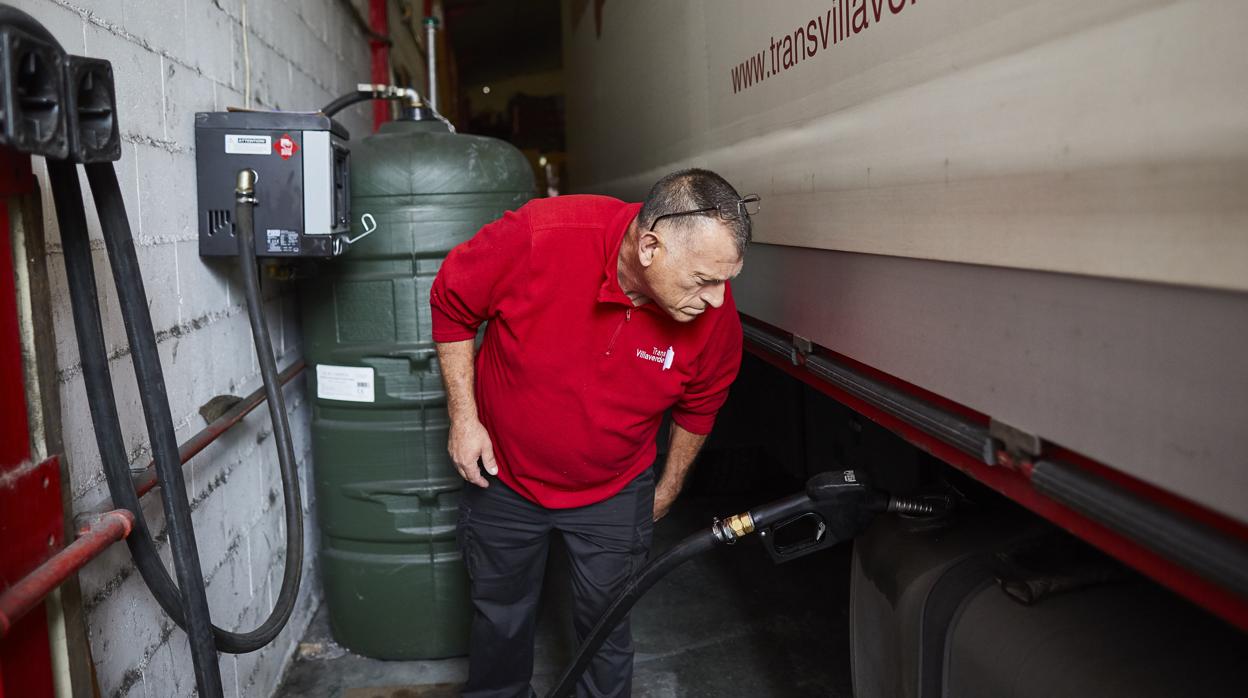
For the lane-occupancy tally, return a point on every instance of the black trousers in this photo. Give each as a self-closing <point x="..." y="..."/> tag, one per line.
<point x="505" y="538"/>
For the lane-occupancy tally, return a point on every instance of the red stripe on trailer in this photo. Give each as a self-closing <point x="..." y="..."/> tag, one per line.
<point x="1015" y="485"/>
<point x="1167" y="500"/>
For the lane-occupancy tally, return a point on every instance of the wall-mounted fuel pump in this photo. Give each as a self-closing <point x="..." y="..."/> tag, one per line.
<point x="302" y="163"/>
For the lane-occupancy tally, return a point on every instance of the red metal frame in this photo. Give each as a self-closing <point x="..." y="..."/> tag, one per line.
<point x="30" y="494"/>
<point x="380" y="51"/>
<point x="1015" y="484"/>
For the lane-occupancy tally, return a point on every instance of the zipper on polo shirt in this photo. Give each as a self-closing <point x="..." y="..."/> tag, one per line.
<point x="628" y="315"/>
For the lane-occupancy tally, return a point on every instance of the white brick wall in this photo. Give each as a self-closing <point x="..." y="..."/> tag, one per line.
<point x="172" y="58"/>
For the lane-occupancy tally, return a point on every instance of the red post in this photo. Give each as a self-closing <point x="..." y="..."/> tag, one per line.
<point x="30" y="493"/>
<point x="380" y="58"/>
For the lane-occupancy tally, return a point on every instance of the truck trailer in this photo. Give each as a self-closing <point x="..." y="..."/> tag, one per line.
<point x="1013" y="234"/>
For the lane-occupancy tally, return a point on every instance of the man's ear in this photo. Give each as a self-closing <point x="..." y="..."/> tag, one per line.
<point x="648" y="245"/>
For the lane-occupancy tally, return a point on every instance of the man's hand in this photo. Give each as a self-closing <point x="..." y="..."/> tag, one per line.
<point x="663" y="499"/>
<point x="468" y="443"/>
<point x="682" y="448"/>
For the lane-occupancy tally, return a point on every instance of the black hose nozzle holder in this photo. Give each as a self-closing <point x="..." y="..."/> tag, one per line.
<point x="51" y="103"/>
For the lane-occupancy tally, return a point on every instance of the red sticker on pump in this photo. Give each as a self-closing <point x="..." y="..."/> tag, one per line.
<point x="285" y="146"/>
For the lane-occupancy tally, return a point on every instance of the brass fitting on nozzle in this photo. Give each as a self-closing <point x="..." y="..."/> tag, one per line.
<point x="245" y="186"/>
<point x="741" y="524"/>
<point x="736" y="526"/>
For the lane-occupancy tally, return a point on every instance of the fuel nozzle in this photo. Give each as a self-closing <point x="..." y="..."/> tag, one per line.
<point x="834" y="507"/>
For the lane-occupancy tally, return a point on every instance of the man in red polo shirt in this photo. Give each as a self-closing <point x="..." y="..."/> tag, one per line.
<point x="602" y="315"/>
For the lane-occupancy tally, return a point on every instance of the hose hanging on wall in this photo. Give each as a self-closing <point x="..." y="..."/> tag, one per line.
<point x="189" y="610"/>
<point x="133" y="301"/>
<point x="186" y="602"/>
<point x="132" y="298"/>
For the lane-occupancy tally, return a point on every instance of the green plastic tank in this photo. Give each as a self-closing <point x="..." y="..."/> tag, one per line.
<point x="386" y="492"/>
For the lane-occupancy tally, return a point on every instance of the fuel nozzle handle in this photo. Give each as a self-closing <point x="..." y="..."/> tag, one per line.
<point x="836" y="494"/>
<point x="834" y="507"/>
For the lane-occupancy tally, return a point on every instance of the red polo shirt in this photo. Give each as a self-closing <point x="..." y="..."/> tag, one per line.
<point x="572" y="381"/>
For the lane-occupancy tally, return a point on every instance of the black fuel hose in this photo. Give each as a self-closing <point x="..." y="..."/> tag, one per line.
<point x="186" y="603"/>
<point x="80" y="273"/>
<point x="133" y="301"/>
<point x="347" y="100"/>
<point x="720" y="533"/>
<point x="291" y="575"/>
<point x="414" y="108"/>
<point x="636" y="587"/>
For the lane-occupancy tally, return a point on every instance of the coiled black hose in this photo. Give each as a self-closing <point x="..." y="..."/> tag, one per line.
<point x="80" y="272"/>
<point x="186" y="603"/>
<point x="133" y="301"/>
<point x="205" y="638"/>
<point x="293" y="572"/>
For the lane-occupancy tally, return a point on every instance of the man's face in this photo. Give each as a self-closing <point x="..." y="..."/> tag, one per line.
<point x="688" y="270"/>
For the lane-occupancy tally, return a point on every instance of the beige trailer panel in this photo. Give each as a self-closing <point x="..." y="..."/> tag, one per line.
<point x="1151" y="379"/>
<point x="1037" y="209"/>
<point x="1106" y="138"/>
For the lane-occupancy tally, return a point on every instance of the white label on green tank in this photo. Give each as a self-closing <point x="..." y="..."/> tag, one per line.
<point x="240" y="144"/>
<point x="350" y="383"/>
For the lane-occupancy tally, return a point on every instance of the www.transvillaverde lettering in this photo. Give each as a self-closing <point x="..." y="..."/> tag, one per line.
<point x="842" y="20"/>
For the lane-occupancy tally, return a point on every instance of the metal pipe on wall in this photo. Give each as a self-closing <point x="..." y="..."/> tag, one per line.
<point x="431" y="60"/>
<point x="30" y="590"/>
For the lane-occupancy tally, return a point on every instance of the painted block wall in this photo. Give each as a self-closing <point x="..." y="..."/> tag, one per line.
<point x="172" y="58"/>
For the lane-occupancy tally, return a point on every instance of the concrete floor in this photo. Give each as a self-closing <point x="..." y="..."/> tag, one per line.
<point x="728" y="623"/>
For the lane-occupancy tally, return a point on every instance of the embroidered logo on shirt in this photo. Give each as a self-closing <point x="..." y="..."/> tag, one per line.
<point x="658" y="356"/>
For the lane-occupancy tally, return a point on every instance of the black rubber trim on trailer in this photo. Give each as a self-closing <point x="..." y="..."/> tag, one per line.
<point x="969" y="438"/>
<point x="1201" y="549"/>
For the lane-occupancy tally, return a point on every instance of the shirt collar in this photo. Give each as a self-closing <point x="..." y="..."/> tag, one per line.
<point x="610" y="291"/>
